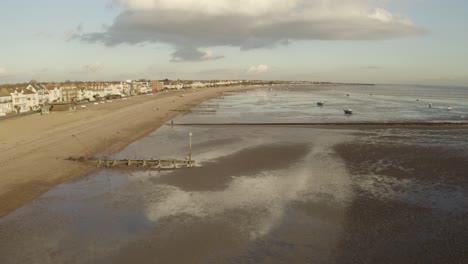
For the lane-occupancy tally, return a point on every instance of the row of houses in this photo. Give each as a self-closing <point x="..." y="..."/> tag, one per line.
<point x="33" y="96"/>
<point x="29" y="97"/>
<point x="186" y="84"/>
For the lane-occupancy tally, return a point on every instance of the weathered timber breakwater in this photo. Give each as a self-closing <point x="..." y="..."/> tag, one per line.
<point x="146" y="163"/>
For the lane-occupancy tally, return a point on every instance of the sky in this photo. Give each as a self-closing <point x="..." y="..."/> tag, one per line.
<point x="365" y="41"/>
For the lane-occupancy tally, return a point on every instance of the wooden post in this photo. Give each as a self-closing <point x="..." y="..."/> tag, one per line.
<point x="190" y="146"/>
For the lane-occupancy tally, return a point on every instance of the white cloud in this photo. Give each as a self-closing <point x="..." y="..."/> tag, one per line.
<point x="211" y="7"/>
<point x="259" y="69"/>
<point x="190" y="25"/>
<point x="72" y="33"/>
<point x="89" y="68"/>
<point x="95" y="67"/>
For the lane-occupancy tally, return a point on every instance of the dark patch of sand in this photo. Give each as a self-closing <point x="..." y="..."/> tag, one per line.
<point x="379" y="229"/>
<point x="216" y="175"/>
<point x="386" y="231"/>
<point x="430" y="164"/>
<point x="215" y="142"/>
<point x="184" y="239"/>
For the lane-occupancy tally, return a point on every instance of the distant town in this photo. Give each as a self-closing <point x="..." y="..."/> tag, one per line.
<point x="35" y="96"/>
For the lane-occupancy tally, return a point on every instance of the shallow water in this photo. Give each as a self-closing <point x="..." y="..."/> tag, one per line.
<point x="263" y="194"/>
<point x="369" y="103"/>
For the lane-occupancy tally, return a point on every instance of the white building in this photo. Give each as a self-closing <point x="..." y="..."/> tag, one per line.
<point x="32" y="99"/>
<point x="19" y="102"/>
<point x="42" y="92"/>
<point x="174" y="85"/>
<point x="87" y="94"/>
<point x="55" y="94"/>
<point x="114" y="90"/>
<point x="5" y="102"/>
<point x="70" y="92"/>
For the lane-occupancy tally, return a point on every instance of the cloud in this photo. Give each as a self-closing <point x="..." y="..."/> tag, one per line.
<point x="190" y="25"/>
<point x="95" y="67"/>
<point x="72" y="33"/>
<point x="259" y="69"/>
<point x="193" y="54"/>
<point x="89" y="68"/>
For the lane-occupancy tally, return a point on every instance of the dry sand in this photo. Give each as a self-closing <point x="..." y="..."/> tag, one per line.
<point x="33" y="148"/>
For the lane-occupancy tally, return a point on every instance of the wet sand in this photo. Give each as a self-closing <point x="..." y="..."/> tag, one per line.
<point x="288" y="208"/>
<point x="33" y="148"/>
<point x="335" y="196"/>
<point x="410" y="201"/>
<point x="247" y="162"/>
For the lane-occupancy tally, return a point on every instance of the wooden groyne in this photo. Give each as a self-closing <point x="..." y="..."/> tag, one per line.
<point x="194" y="110"/>
<point x="213" y="106"/>
<point x="342" y="125"/>
<point x="151" y="163"/>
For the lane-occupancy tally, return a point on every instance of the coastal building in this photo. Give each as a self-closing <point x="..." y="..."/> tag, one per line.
<point x="86" y="95"/>
<point x="113" y="89"/>
<point x="32" y="99"/>
<point x="55" y="93"/>
<point x="70" y="93"/>
<point x="131" y="87"/>
<point x="19" y="101"/>
<point x="6" y="106"/>
<point x="42" y="92"/>
<point x="171" y="85"/>
<point x="143" y="86"/>
<point x="156" y="86"/>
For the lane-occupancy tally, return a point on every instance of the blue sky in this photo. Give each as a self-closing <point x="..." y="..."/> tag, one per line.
<point x="386" y="41"/>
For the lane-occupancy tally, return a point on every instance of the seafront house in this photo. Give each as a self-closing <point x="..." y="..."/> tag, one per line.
<point x="19" y="101"/>
<point x="70" y="93"/>
<point x="156" y="86"/>
<point x="32" y="99"/>
<point x="87" y="94"/>
<point x="173" y="85"/>
<point x="6" y="106"/>
<point x="113" y="89"/>
<point x="131" y="87"/>
<point x="55" y="93"/>
<point x="42" y="92"/>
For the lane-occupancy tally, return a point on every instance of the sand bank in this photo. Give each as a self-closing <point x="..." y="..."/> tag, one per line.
<point x="33" y="148"/>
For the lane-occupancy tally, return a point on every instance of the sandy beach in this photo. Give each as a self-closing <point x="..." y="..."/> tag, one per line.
<point x="33" y="148"/>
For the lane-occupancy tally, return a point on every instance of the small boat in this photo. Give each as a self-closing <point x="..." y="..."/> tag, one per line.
<point x="321" y="103"/>
<point x="449" y="108"/>
<point x="348" y="111"/>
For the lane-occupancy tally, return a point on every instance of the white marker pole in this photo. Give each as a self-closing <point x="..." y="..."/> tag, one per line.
<point x="190" y="142"/>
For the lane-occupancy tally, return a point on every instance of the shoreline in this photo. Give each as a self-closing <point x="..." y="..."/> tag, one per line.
<point x="34" y="147"/>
